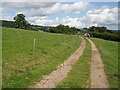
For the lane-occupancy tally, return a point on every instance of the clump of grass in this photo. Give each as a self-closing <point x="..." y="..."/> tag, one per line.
<point x="79" y="76"/>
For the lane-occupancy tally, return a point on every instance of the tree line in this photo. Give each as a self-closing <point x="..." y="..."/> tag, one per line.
<point x="63" y="29"/>
<point x="98" y="32"/>
<point x="22" y="23"/>
<point x="19" y="22"/>
<point x="104" y="33"/>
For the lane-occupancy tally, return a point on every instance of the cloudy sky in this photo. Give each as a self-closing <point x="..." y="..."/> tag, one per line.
<point x="75" y="14"/>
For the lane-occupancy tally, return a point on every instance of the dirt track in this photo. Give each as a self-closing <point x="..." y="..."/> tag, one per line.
<point x="98" y="77"/>
<point x="51" y="80"/>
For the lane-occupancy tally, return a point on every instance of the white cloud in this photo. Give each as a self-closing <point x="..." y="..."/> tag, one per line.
<point x="58" y="7"/>
<point x="46" y="8"/>
<point x="59" y="0"/>
<point x="36" y="19"/>
<point x="38" y="13"/>
<point x="6" y="18"/>
<point x="20" y="13"/>
<point x="1" y="9"/>
<point x="26" y="5"/>
<point x="96" y="17"/>
<point x="72" y="22"/>
<point x="57" y="18"/>
<point x="102" y="16"/>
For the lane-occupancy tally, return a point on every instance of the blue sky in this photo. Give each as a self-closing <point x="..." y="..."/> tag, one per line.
<point x="75" y="14"/>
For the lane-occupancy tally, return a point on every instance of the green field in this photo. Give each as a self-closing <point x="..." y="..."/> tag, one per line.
<point x="20" y="67"/>
<point x="79" y="76"/>
<point x="109" y="53"/>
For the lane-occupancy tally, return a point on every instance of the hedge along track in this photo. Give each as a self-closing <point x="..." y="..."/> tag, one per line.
<point x="51" y="80"/>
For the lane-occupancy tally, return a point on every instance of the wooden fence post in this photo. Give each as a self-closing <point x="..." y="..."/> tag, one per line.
<point x="64" y="38"/>
<point x="33" y="49"/>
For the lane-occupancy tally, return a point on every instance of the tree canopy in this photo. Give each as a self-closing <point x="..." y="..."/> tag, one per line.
<point x="99" y="29"/>
<point x="63" y="29"/>
<point x="21" y="22"/>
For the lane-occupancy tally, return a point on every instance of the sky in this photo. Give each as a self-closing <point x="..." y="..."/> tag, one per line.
<point x="77" y="14"/>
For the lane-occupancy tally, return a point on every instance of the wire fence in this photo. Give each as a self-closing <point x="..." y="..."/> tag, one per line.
<point x="35" y="43"/>
<point x="28" y="40"/>
<point x="40" y="39"/>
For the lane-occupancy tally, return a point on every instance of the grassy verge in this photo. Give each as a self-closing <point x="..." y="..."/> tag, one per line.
<point x="109" y="53"/>
<point x="79" y="76"/>
<point x="20" y="67"/>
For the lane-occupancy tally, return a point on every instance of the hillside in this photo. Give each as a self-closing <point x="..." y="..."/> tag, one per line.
<point x="11" y="24"/>
<point x="5" y="23"/>
<point x="20" y="67"/>
<point x="59" y="45"/>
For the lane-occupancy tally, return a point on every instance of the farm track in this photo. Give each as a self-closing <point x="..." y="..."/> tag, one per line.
<point x="51" y="80"/>
<point x="98" y="76"/>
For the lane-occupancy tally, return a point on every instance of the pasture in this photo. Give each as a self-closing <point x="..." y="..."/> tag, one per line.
<point x="20" y="67"/>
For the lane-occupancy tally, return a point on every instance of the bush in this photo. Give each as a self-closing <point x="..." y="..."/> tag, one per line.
<point x="106" y="36"/>
<point x="63" y="29"/>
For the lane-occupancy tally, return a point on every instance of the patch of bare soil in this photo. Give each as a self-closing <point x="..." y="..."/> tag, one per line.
<point x="98" y="76"/>
<point x="51" y="80"/>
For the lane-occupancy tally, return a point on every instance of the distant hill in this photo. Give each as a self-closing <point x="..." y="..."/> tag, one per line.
<point x="116" y="30"/>
<point x="50" y="50"/>
<point x="57" y="29"/>
<point x="11" y="24"/>
<point x="5" y="23"/>
<point x="98" y="32"/>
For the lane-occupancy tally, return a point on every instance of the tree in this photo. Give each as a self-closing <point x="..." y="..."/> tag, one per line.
<point x="98" y="29"/>
<point x="21" y="22"/>
<point x="92" y="28"/>
<point x="63" y="29"/>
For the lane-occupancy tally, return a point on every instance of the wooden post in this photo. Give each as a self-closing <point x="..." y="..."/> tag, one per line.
<point x="33" y="46"/>
<point x="64" y="38"/>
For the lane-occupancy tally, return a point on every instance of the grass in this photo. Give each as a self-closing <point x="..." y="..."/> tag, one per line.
<point x="22" y="69"/>
<point x="109" y="54"/>
<point x="79" y="76"/>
